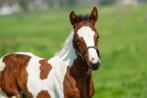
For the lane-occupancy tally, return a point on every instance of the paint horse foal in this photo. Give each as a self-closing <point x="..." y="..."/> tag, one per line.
<point x="66" y="75"/>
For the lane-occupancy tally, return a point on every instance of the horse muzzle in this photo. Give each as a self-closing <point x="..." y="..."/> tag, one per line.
<point x="93" y="66"/>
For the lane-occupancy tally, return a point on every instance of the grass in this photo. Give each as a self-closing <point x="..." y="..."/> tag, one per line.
<point x="123" y="37"/>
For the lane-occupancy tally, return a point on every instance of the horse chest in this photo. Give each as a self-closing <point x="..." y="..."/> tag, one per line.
<point x="76" y="86"/>
<point x="70" y="87"/>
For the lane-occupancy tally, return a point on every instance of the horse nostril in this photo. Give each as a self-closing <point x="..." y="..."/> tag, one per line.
<point x="92" y="59"/>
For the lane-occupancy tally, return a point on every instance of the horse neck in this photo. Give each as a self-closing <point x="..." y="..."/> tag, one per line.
<point x="82" y="75"/>
<point x="80" y="68"/>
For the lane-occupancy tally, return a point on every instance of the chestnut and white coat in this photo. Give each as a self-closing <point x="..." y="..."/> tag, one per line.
<point x="63" y="75"/>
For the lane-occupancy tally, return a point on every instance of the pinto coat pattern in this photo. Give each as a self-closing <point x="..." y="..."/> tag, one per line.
<point x="66" y="75"/>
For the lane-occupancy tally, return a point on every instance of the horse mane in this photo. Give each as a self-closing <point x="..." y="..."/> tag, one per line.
<point x="66" y="45"/>
<point x="67" y="53"/>
<point x="68" y="41"/>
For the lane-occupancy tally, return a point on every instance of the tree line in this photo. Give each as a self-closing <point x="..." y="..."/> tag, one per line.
<point x="56" y="4"/>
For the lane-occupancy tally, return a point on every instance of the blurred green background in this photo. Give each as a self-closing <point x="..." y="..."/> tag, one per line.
<point x="123" y="42"/>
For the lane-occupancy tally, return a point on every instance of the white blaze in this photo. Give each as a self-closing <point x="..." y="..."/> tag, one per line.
<point x="88" y="35"/>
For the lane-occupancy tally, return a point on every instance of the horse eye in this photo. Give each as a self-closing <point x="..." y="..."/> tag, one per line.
<point x="78" y="41"/>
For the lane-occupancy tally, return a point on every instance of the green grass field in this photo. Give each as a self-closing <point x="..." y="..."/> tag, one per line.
<point x="123" y="45"/>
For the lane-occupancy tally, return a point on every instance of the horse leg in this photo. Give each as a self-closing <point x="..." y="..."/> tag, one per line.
<point x="91" y="89"/>
<point x="11" y="91"/>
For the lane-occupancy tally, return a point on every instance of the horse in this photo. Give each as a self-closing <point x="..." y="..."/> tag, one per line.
<point x="68" y="74"/>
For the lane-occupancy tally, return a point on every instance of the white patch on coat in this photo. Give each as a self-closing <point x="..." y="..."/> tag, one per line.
<point x="13" y="97"/>
<point x="2" y="64"/>
<point x="54" y="81"/>
<point x="88" y="35"/>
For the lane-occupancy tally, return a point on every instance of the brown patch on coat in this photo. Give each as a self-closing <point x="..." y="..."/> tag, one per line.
<point x="44" y="69"/>
<point x="14" y="75"/>
<point x="78" y="82"/>
<point x="43" y="94"/>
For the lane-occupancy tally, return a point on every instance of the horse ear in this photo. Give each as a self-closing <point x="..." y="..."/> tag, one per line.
<point x="94" y="14"/>
<point x="73" y="18"/>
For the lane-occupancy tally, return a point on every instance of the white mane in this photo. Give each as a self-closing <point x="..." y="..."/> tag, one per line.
<point x="67" y="54"/>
